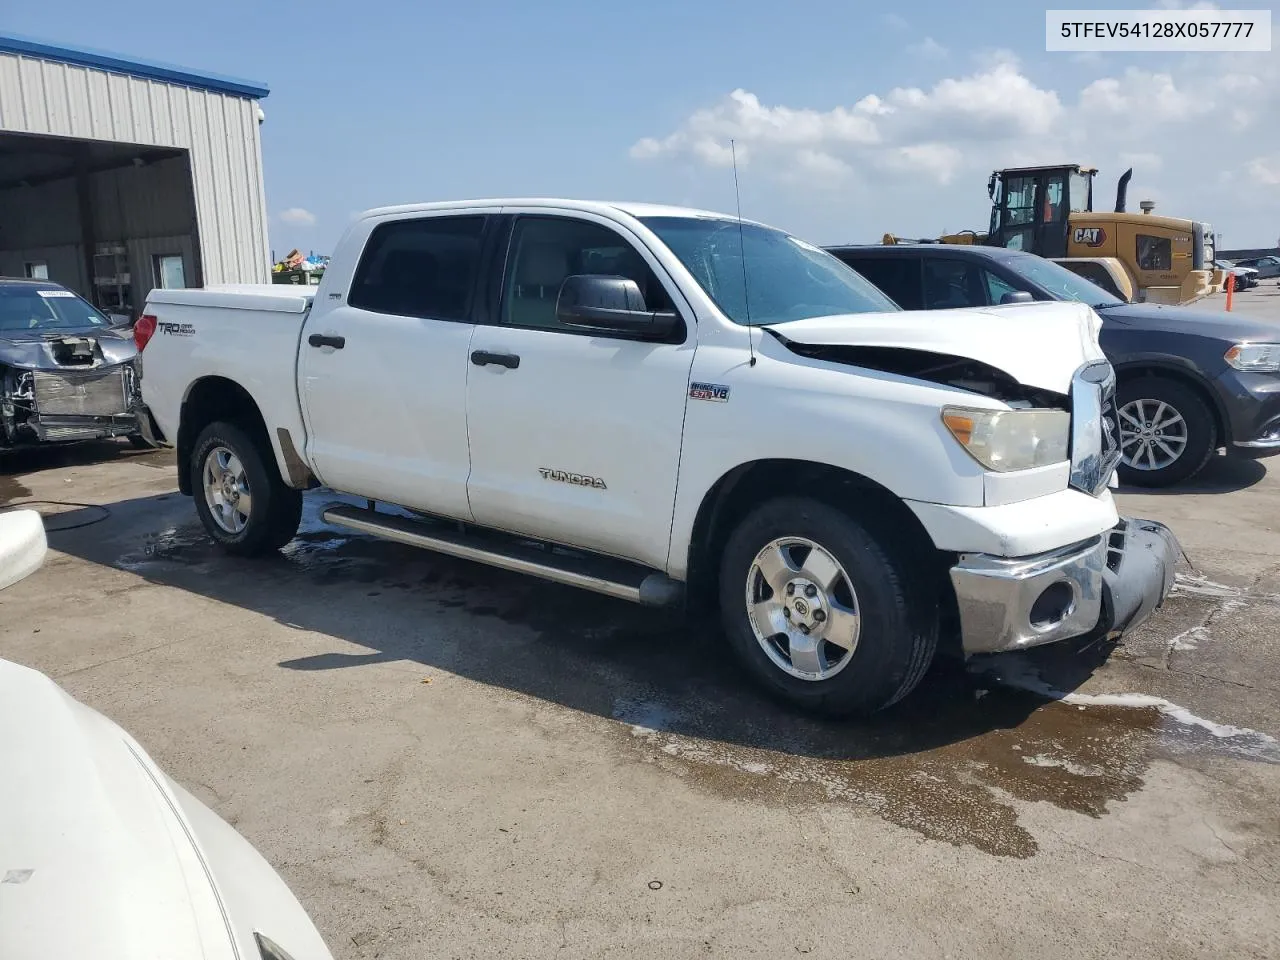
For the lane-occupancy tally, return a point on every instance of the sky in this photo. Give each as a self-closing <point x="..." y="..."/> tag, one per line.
<point x="850" y="119"/>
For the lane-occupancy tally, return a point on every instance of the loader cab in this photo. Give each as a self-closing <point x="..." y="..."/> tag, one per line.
<point x="1031" y="206"/>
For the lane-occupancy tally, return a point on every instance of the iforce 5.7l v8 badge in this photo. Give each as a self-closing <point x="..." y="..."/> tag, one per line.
<point x="708" y="391"/>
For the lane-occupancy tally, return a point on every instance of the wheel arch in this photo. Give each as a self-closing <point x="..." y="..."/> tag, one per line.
<point x="1188" y="377"/>
<point x="210" y="399"/>
<point x="749" y="484"/>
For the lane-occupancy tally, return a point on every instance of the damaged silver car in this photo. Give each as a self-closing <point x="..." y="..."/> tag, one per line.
<point x="66" y="372"/>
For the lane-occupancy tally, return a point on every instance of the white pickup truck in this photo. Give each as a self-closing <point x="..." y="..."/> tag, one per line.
<point x="662" y="405"/>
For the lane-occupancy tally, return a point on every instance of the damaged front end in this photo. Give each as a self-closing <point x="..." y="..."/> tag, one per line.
<point x="57" y="388"/>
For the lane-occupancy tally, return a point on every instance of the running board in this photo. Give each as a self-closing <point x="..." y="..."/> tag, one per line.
<point x="614" y="578"/>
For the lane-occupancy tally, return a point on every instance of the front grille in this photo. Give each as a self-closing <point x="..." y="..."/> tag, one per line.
<point x="1095" y="429"/>
<point x="82" y="394"/>
<point x="1110" y="426"/>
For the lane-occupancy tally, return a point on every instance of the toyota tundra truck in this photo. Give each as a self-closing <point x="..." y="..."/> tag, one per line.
<point x="671" y="406"/>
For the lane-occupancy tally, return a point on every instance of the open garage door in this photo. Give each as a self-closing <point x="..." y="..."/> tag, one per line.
<point x="109" y="220"/>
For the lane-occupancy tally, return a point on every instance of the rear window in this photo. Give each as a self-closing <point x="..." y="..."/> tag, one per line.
<point x="420" y="268"/>
<point x="31" y="307"/>
<point x="897" y="277"/>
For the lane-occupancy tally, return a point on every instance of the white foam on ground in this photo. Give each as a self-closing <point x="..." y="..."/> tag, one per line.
<point x="1077" y="769"/>
<point x="1017" y="673"/>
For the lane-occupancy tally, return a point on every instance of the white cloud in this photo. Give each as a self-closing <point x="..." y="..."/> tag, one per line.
<point x="909" y="159"/>
<point x="928" y="49"/>
<point x="297" y="216"/>
<point x="1265" y="170"/>
<point x="895" y="22"/>
<point x="1147" y="162"/>
<point x="1151" y="95"/>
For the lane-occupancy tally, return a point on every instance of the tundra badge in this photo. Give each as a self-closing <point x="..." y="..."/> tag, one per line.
<point x="564" y="476"/>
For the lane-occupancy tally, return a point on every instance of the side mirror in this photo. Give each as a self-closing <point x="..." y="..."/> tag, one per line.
<point x="22" y="545"/>
<point x="614" y="304"/>
<point x="1017" y="296"/>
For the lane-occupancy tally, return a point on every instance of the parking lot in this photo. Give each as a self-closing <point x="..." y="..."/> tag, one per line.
<point x="445" y="760"/>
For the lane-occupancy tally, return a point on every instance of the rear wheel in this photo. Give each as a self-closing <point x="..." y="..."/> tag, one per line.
<point x="1167" y="432"/>
<point x="820" y="612"/>
<point x="242" y="501"/>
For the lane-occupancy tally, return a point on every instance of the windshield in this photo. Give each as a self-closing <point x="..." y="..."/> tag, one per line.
<point x="1061" y="282"/>
<point x="785" y="278"/>
<point x="28" y="307"/>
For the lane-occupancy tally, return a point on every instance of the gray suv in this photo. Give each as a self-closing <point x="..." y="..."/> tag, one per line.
<point x="1189" y="381"/>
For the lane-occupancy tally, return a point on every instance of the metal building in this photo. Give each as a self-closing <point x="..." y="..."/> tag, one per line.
<point x="117" y="176"/>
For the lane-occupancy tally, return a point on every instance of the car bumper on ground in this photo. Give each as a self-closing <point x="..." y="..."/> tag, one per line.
<point x="1105" y="585"/>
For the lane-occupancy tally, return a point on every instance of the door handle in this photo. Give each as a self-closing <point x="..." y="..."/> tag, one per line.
<point x="482" y="358"/>
<point x="327" y="340"/>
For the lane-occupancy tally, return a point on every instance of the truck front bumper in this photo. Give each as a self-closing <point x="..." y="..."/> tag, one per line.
<point x="1101" y="586"/>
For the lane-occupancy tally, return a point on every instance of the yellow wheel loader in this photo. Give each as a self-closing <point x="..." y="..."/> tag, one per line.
<point x="1138" y="256"/>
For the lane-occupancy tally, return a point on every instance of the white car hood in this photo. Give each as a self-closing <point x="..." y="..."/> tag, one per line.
<point x="94" y="859"/>
<point x="102" y="856"/>
<point x="1038" y="344"/>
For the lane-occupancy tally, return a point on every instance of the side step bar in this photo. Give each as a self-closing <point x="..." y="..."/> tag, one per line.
<point x="614" y="578"/>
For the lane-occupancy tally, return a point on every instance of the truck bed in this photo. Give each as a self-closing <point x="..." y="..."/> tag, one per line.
<point x="247" y="333"/>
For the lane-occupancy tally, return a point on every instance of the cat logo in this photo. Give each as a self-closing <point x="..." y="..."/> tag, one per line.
<point x="1089" y="236"/>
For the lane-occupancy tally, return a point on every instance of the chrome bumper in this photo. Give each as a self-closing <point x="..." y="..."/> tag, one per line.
<point x="1105" y="585"/>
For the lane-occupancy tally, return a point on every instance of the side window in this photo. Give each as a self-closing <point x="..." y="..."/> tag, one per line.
<point x="1154" y="253"/>
<point x="897" y="277"/>
<point x="420" y="268"/>
<point x="1053" y="212"/>
<point x="545" y="250"/>
<point x="1020" y="199"/>
<point x="952" y="283"/>
<point x="997" y="287"/>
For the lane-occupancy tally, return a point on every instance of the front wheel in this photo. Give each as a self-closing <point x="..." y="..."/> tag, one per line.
<point x="243" y="503"/>
<point x="1167" y="432"/>
<point x="820" y="612"/>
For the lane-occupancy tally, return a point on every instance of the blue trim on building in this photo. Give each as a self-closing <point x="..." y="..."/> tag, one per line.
<point x="27" y="47"/>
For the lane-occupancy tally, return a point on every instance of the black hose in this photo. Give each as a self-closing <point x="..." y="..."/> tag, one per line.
<point x="103" y="514"/>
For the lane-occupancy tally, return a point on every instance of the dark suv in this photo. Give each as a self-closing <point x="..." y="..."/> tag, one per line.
<point x="1189" y="381"/>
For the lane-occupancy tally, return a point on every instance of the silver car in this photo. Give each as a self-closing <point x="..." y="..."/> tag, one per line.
<point x="1267" y="267"/>
<point x="66" y="371"/>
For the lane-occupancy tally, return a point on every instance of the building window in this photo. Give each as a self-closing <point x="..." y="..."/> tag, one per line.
<point x="36" y="270"/>
<point x="1154" y="253"/>
<point x="169" y="271"/>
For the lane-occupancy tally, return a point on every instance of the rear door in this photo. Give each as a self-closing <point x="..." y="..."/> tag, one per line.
<point x="898" y="277"/>
<point x="953" y="282"/>
<point x="575" y="435"/>
<point x="383" y="364"/>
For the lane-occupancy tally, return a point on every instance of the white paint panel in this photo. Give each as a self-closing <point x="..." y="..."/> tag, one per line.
<point x="219" y="131"/>
<point x="57" y="108"/>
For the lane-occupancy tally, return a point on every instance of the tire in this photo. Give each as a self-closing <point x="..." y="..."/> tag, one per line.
<point x="275" y="509"/>
<point x="895" y="634"/>
<point x="139" y="442"/>
<point x="1140" y="398"/>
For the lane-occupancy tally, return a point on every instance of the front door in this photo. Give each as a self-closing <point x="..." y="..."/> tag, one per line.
<point x="575" y="436"/>
<point x="383" y="370"/>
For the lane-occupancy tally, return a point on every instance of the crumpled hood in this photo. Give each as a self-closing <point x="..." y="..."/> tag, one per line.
<point x="94" y="857"/>
<point x="35" y="349"/>
<point x="1038" y="344"/>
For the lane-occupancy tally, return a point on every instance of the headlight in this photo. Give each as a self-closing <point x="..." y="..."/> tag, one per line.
<point x="1255" y="357"/>
<point x="1006" y="440"/>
